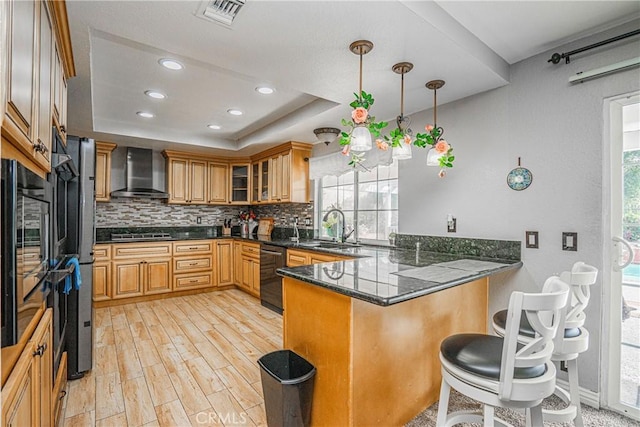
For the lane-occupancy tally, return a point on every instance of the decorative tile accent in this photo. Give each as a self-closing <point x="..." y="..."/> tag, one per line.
<point x="502" y="249"/>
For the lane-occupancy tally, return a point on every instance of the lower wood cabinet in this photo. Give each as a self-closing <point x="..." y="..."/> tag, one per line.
<point x="139" y="277"/>
<point x="297" y="257"/>
<point x="26" y="396"/>
<point x="249" y="268"/>
<point x="224" y="258"/>
<point x="101" y="280"/>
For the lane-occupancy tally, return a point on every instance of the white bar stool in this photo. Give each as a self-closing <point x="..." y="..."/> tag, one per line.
<point x="501" y="372"/>
<point x="567" y="346"/>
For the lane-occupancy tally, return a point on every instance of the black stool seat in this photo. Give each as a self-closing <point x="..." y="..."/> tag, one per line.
<point x="500" y="319"/>
<point x="482" y="355"/>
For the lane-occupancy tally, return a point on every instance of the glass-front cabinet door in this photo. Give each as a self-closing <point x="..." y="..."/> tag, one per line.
<point x="255" y="183"/>
<point x="264" y="180"/>
<point x="240" y="183"/>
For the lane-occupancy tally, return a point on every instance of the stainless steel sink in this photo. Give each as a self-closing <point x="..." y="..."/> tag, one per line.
<point x="328" y="245"/>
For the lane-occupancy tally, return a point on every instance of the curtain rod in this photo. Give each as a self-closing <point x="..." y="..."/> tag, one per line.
<point x="556" y="57"/>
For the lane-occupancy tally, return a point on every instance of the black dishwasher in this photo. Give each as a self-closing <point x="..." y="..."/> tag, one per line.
<point x="271" y="258"/>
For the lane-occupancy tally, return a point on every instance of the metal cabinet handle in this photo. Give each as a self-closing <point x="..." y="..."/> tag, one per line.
<point x="63" y="393"/>
<point x="40" y="350"/>
<point x="63" y="129"/>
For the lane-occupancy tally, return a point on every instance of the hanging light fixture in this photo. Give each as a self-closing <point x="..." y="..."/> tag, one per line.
<point x="440" y="153"/>
<point x="401" y="136"/>
<point x="362" y="124"/>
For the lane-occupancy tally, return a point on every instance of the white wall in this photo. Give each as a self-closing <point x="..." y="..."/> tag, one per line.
<point x="557" y="130"/>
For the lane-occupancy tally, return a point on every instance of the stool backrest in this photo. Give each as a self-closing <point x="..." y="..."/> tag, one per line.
<point x="581" y="277"/>
<point x="546" y="312"/>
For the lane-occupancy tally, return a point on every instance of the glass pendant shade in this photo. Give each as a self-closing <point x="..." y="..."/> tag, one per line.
<point x="433" y="157"/>
<point x="403" y="152"/>
<point x="361" y="139"/>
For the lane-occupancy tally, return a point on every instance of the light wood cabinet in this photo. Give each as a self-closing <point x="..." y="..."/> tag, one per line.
<point x="193" y="265"/>
<point x="239" y="183"/>
<point x="59" y="389"/>
<point x="284" y="174"/>
<point x="237" y="262"/>
<point x="218" y="184"/>
<point x="59" y="95"/>
<point x="249" y="268"/>
<point x="22" y="66"/>
<point x="101" y="280"/>
<point x="141" y="269"/>
<point x="103" y="170"/>
<point x="187" y="181"/>
<point x="31" y="59"/>
<point x="296" y="257"/>
<point x="43" y="137"/>
<point x="224" y="256"/>
<point x="26" y="395"/>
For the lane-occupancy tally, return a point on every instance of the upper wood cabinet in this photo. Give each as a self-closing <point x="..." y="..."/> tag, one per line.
<point x="284" y="174"/>
<point x="218" y="178"/>
<point x="187" y="181"/>
<point x="103" y="170"/>
<point x="37" y="54"/>
<point x="278" y="175"/>
<point x="59" y="96"/>
<point x="240" y="182"/>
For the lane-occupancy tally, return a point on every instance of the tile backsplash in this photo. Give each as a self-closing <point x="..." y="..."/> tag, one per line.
<point x="142" y="212"/>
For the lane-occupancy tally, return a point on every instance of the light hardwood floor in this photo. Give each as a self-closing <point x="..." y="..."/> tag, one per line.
<point x="185" y="361"/>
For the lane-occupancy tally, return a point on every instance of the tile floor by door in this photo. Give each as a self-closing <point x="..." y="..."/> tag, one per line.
<point x="185" y="361"/>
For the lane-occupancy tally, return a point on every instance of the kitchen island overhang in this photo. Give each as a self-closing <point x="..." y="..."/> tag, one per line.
<point x="374" y="334"/>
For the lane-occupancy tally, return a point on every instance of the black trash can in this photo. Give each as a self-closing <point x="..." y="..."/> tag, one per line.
<point x="287" y="384"/>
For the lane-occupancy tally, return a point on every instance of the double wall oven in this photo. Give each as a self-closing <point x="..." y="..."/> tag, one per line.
<point x="25" y="248"/>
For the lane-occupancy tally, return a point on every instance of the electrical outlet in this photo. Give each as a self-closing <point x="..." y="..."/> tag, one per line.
<point x="451" y="224"/>
<point x="198" y="220"/>
<point x="307" y="221"/>
<point x="569" y="241"/>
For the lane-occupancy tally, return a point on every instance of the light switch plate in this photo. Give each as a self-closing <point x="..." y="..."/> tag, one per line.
<point x="531" y="239"/>
<point x="569" y="241"/>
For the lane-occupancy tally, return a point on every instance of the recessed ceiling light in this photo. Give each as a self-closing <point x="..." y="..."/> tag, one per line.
<point x="171" y="64"/>
<point x="234" y="112"/>
<point x="214" y="127"/>
<point x="265" y="90"/>
<point x="144" y="114"/>
<point x="155" y="94"/>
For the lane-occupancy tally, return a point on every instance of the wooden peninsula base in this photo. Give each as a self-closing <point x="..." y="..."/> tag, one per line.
<point x="376" y="365"/>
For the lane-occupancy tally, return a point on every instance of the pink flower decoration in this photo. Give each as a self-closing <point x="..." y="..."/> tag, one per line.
<point x="407" y="139"/>
<point x="382" y="145"/>
<point x="428" y="128"/>
<point x="442" y="146"/>
<point x="442" y="173"/>
<point x="359" y="115"/>
<point x="346" y="149"/>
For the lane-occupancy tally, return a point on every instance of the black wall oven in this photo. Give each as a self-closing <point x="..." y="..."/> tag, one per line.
<point x="25" y="248"/>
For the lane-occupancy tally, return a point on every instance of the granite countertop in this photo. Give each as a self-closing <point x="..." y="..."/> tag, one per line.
<point x="390" y="276"/>
<point x="379" y="275"/>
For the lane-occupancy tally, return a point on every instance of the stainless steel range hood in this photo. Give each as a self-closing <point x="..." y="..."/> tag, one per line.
<point x="139" y="174"/>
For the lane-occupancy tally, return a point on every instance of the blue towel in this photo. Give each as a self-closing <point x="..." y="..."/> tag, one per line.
<point x="76" y="276"/>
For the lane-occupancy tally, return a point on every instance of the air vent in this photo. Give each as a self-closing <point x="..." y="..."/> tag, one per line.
<point x="222" y="11"/>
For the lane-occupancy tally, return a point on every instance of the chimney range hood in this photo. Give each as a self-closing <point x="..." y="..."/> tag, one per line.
<point x="139" y="176"/>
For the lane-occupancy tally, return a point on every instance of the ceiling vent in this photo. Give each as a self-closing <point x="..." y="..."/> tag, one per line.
<point x="221" y="11"/>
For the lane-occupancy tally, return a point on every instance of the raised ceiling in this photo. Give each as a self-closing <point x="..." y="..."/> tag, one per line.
<point x="301" y="49"/>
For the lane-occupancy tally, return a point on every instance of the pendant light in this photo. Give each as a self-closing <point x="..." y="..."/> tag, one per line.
<point x="401" y="140"/>
<point x="441" y="153"/>
<point x="360" y="136"/>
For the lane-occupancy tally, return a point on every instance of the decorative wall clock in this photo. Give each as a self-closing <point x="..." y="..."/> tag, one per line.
<point x="519" y="178"/>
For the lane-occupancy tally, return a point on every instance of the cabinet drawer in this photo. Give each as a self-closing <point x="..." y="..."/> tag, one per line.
<point x="102" y="252"/>
<point x="192" y="281"/>
<point x="251" y="249"/>
<point x="133" y="250"/>
<point x="196" y="247"/>
<point x="192" y="264"/>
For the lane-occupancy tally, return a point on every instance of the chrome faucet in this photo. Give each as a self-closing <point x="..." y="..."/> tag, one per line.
<point x="343" y="235"/>
<point x="295" y="230"/>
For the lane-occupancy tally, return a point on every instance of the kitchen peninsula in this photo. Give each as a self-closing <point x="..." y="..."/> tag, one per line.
<point x="373" y="326"/>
